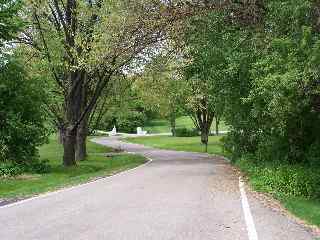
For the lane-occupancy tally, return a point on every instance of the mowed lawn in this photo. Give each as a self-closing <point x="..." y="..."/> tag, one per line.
<point x="163" y="126"/>
<point x="96" y="165"/>
<point x="189" y="144"/>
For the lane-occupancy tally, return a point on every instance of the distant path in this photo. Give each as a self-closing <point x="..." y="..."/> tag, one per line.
<point x="178" y="196"/>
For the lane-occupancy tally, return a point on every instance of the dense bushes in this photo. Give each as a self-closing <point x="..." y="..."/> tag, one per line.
<point x="22" y="119"/>
<point x="273" y="88"/>
<point x="126" y="122"/>
<point x="186" y="132"/>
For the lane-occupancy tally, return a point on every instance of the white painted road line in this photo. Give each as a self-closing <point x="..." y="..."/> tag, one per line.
<point x="252" y="232"/>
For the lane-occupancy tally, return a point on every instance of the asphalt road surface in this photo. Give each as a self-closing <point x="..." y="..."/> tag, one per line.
<point x="177" y="196"/>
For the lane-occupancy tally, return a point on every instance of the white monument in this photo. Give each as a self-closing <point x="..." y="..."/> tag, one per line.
<point x="140" y="132"/>
<point x="114" y="131"/>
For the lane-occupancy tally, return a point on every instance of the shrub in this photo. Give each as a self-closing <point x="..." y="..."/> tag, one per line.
<point x="124" y="121"/>
<point x="128" y="123"/>
<point x="185" y="132"/>
<point x="22" y="117"/>
<point x="10" y="170"/>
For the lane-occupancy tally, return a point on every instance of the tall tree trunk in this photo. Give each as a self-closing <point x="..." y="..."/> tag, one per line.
<point x="72" y="112"/>
<point x="217" y="125"/>
<point x="82" y="132"/>
<point x="205" y="136"/>
<point x="204" y="118"/>
<point x="173" y="123"/>
<point x="81" y="146"/>
<point x="69" y="147"/>
<point x="61" y="134"/>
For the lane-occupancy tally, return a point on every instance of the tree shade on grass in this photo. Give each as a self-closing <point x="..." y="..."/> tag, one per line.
<point x="96" y="165"/>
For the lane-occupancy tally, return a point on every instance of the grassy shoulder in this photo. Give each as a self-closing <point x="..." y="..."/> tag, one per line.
<point x="286" y="183"/>
<point x="189" y="144"/>
<point x="163" y="126"/>
<point x="295" y="186"/>
<point x="96" y="165"/>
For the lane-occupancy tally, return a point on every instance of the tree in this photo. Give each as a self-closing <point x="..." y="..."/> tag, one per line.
<point x="208" y="47"/>
<point x="10" y="22"/>
<point x="22" y="119"/>
<point x="86" y="43"/>
<point x="119" y="106"/>
<point x="272" y="88"/>
<point x="160" y="87"/>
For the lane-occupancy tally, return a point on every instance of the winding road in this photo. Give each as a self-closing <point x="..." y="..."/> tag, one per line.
<point x="176" y="196"/>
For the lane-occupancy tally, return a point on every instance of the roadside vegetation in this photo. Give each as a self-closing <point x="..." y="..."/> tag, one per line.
<point x="295" y="186"/>
<point x="54" y="176"/>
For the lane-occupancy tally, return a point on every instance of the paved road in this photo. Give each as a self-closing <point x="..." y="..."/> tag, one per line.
<point x="178" y="195"/>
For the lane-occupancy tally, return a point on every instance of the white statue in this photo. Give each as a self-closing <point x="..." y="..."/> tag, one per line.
<point x="114" y="131"/>
<point x="140" y="132"/>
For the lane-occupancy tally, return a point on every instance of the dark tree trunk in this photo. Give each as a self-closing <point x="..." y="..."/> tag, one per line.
<point x="81" y="146"/>
<point x="203" y="118"/>
<point x="73" y="107"/>
<point x="69" y="148"/>
<point x="205" y="137"/>
<point x="217" y="125"/>
<point x="173" y="123"/>
<point x="61" y="135"/>
<point x="82" y="132"/>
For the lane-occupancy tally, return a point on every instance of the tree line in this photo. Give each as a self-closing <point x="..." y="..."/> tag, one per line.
<point x="252" y="63"/>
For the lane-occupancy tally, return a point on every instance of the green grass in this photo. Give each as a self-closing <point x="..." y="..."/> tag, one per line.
<point x="308" y="210"/>
<point x="191" y="144"/>
<point x="96" y="165"/>
<point x="288" y="184"/>
<point x="163" y="126"/>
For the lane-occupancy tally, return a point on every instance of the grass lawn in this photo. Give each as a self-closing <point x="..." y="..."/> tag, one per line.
<point x="163" y="126"/>
<point x="95" y="166"/>
<point x="309" y="210"/>
<point x="191" y="144"/>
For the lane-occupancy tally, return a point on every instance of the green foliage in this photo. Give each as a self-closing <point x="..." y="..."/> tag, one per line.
<point x="10" y="170"/>
<point x="129" y="122"/>
<point x="120" y="106"/>
<point x="186" y="132"/>
<point x="282" y="179"/>
<point x="10" y="22"/>
<point x="22" y="119"/>
<point x="272" y="91"/>
<point x="208" y="44"/>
